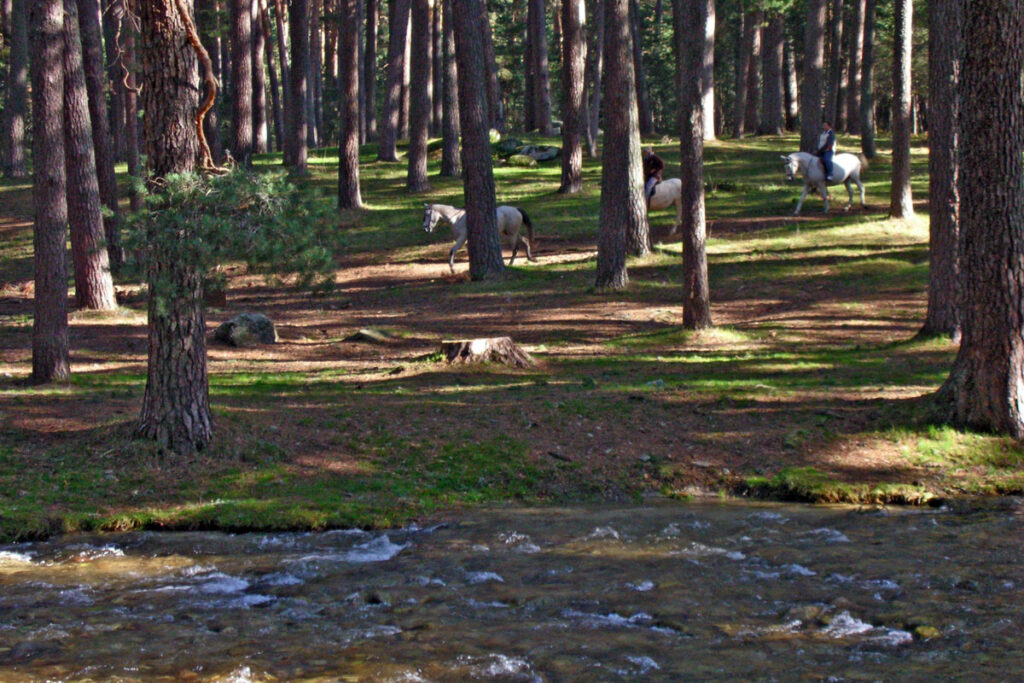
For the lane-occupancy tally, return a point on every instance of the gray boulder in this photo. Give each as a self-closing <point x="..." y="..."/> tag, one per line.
<point x="246" y="329"/>
<point x="541" y="152"/>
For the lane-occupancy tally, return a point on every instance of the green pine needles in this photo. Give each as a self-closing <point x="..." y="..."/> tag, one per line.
<point x="195" y="224"/>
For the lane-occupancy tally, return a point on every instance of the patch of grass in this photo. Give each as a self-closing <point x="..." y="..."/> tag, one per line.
<point x="809" y="485"/>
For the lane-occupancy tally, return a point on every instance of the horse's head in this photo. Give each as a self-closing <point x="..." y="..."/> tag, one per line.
<point x="791" y="165"/>
<point x="430" y="217"/>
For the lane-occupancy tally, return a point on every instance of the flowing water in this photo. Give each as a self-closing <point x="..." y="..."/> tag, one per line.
<point x="657" y="593"/>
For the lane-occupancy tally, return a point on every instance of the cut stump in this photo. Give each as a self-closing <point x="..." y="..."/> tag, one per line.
<point x="487" y="350"/>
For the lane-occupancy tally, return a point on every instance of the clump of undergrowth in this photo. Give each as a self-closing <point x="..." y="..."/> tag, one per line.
<point x="810" y="485"/>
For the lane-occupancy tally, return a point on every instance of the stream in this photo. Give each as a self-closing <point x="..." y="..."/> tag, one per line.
<point x="663" y="592"/>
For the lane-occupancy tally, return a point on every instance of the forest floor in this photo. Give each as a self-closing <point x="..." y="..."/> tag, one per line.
<point x="812" y="385"/>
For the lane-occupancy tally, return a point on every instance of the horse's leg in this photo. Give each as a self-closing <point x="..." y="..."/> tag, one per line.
<point x="515" y="250"/>
<point x="849" y="193"/>
<point x="823" y="188"/>
<point x="459" y="241"/>
<point x="679" y="216"/>
<point x="526" y="245"/>
<point x="860" y="186"/>
<point x="799" y="204"/>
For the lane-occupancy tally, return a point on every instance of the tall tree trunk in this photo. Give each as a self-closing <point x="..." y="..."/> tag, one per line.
<point x="348" y="72"/>
<point x="867" y="84"/>
<point x="814" y="55"/>
<point x="17" y="94"/>
<point x="451" y="165"/>
<point x="316" y="74"/>
<point x="539" y="66"/>
<point x="403" y="112"/>
<point x="945" y="20"/>
<point x="595" y="67"/>
<point x="901" y="204"/>
<point x="753" y="99"/>
<point x="771" y="107"/>
<point x="130" y="96"/>
<point x="419" y="105"/>
<point x="689" y="22"/>
<point x="388" y="147"/>
<point x="574" y="48"/>
<point x="707" y="69"/>
<point x="361" y="54"/>
<point x="241" y="81"/>
<point x="208" y="25"/>
<point x="370" y="71"/>
<point x="485" y="259"/>
<point x="283" y="52"/>
<point x="113" y="26"/>
<point x="833" y="98"/>
<point x="176" y="406"/>
<point x="643" y="101"/>
<point x="743" y="46"/>
<point x="94" y="288"/>
<point x="260" y="143"/>
<point x="623" y="228"/>
<point x="790" y="92"/>
<point x="495" y="106"/>
<point x="437" y="72"/>
<point x="529" y="100"/>
<point x="853" y="65"/>
<point x="296" y="148"/>
<point x="986" y="385"/>
<point x="92" y="55"/>
<point x="275" y="86"/>
<point x="50" y="355"/>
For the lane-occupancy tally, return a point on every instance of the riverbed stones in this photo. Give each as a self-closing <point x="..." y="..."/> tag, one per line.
<point x="247" y="329"/>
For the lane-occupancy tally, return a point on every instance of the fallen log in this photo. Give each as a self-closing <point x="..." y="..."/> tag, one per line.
<point x="486" y="350"/>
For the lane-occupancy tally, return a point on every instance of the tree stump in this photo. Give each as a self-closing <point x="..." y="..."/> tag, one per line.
<point x="487" y="350"/>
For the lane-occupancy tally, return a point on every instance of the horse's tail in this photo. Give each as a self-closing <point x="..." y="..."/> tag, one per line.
<point x="863" y="161"/>
<point x="527" y="223"/>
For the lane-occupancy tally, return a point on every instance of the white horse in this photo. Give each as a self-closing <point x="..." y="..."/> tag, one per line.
<point x="667" y="193"/>
<point x="846" y="168"/>
<point x="511" y="219"/>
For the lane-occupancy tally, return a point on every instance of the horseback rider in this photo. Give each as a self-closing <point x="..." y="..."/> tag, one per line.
<point x="827" y="147"/>
<point x="653" y="166"/>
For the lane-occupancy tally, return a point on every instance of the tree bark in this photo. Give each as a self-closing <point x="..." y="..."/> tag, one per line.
<point x="487" y="350"/>
<point x="867" y="84"/>
<point x="814" y="55"/>
<point x="437" y="70"/>
<point x="94" y="288"/>
<point x="623" y="216"/>
<point x="539" y="66"/>
<point x="296" y="148"/>
<point x="945" y="20"/>
<point x="208" y="25"/>
<point x="744" y="43"/>
<point x="595" y="69"/>
<point x="707" y="69"/>
<point x="388" y="147"/>
<point x="753" y="99"/>
<point x="485" y="259"/>
<point x="833" y="98"/>
<point x="901" y="204"/>
<point x="114" y="25"/>
<point x="241" y="81"/>
<point x="574" y="57"/>
<point x="130" y="98"/>
<point x="985" y="388"/>
<point x="643" y="101"/>
<point x="14" y="165"/>
<point x="370" y="70"/>
<point x="176" y="406"/>
<point x="419" y="105"/>
<point x="689" y="20"/>
<point x="348" y="70"/>
<point x="92" y="54"/>
<point x="403" y="110"/>
<point x="260" y="143"/>
<point x="495" y="106"/>
<point x="50" y="354"/>
<point x="772" y="57"/>
<point x="790" y="92"/>
<point x="316" y="76"/>
<point x="275" y="84"/>
<point x="283" y="51"/>
<point x="451" y="165"/>
<point x="853" y="65"/>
